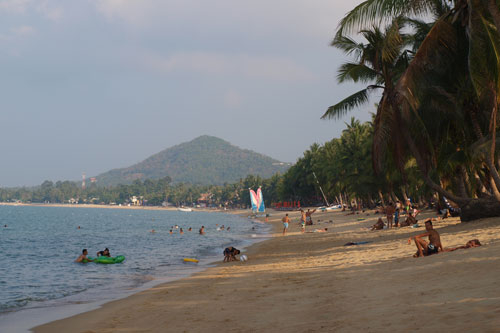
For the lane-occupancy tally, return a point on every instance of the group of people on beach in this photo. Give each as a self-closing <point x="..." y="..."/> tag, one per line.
<point x="83" y="257"/>
<point x="393" y="213"/>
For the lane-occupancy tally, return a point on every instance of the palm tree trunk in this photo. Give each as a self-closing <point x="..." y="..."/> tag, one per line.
<point x="381" y="198"/>
<point x="489" y="156"/>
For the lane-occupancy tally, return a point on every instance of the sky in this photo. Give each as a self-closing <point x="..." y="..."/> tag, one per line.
<point x="92" y="85"/>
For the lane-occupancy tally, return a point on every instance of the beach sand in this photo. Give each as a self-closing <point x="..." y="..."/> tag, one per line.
<point x="312" y="283"/>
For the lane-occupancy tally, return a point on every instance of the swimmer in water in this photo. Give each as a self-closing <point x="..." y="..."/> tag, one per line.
<point x="190" y="229"/>
<point x="83" y="257"/>
<point x="228" y="228"/>
<point x="202" y="230"/>
<point x="181" y="231"/>
<point x="78" y="227"/>
<point x="104" y="253"/>
<point x="153" y="231"/>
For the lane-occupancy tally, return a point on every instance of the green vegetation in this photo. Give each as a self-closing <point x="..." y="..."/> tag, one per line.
<point x="440" y="84"/>
<point x="206" y="160"/>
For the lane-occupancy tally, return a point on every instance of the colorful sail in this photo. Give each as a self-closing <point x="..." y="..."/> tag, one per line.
<point x="254" y="200"/>
<point x="261" y="206"/>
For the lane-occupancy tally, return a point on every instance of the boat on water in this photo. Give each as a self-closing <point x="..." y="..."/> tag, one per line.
<point x="184" y="209"/>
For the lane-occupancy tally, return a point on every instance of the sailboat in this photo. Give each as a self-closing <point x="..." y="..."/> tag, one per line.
<point x="257" y="202"/>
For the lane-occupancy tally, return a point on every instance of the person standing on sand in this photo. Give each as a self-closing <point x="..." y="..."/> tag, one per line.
<point x="302" y="220"/>
<point x="286" y="222"/>
<point x="389" y="211"/>
<point x="426" y="249"/>
<point x="308" y="217"/>
<point x="396" y="214"/>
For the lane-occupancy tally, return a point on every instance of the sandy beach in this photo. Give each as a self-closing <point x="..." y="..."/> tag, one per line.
<point x="311" y="282"/>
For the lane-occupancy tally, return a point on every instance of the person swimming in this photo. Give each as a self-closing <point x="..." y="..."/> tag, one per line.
<point x="104" y="253"/>
<point x="83" y="257"/>
<point x="181" y="231"/>
<point x="202" y="230"/>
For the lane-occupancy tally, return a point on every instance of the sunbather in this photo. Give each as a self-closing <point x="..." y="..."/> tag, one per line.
<point x="434" y="244"/>
<point x="468" y="245"/>
<point x="379" y="225"/>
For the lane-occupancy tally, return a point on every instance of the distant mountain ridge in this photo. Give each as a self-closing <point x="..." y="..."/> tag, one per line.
<point x="204" y="160"/>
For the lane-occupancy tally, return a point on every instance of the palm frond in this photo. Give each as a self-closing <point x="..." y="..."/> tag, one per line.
<point x="370" y="12"/>
<point x="340" y="109"/>
<point x="356" y="72"/>
<point x="433" y="56"/>
<point x="347" y="45"/>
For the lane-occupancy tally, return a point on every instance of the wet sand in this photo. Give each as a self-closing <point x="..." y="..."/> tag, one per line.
<point x="312" y="283"/>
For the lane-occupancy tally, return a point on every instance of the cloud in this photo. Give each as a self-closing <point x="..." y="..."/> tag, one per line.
<point x="14" y="6"/>
<point x="297" y="16"/>
<point x="263" y="67"/>
<point x="23" y="30"/>
<point x="232" y="99"/>
<point x="44" y="7"/>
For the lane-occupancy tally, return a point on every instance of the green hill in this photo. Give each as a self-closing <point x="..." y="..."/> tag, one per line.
<point x="204" y="160"/>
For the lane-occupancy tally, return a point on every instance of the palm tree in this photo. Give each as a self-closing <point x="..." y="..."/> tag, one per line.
<point x="465" y="36"/>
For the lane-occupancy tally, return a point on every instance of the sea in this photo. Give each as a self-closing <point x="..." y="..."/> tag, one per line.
<point x="40" y="282"/>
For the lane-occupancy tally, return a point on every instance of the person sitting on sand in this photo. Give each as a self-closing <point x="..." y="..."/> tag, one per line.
<point x="230" y="253"/>
<point x="104" y="253"/>
<point x="410" y="220"/>
<point x="468" y="245"/>
<point x="424" y="248"/>
<point x="202" y="230"/>
<point x="83" y="257"/>
<point x="379" y="225"/>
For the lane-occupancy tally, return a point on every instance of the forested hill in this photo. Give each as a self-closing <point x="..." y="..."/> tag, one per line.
<point x="204" y="160"/>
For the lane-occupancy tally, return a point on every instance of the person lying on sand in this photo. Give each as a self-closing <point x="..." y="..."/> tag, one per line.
<point x="379" y="225"/>
<point x="468" y="245"/>
<point x="83" y="257"/>
<point x="424" y="248"/>
<point x="230" y="253"/>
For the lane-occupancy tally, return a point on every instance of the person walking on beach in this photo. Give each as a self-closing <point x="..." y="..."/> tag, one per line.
<point x="83" y="257"/>
<point x="389" y="211"/>
<point x="286" y="222"/>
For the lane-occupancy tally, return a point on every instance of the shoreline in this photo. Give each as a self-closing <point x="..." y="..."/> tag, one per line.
<point x="59" y="308"/>
<point x="311" y="282"/>
<point x="237" y="211"/>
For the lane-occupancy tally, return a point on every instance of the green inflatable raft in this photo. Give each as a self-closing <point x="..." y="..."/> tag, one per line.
<point x="107" y="260"/>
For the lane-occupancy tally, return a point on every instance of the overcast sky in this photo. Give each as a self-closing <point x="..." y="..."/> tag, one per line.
<point x="91" y="85"/>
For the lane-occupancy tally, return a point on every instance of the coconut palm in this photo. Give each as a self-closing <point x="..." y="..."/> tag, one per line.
<point x="464" y="43"/>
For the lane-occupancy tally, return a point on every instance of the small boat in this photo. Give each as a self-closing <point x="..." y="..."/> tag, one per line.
<point x="184" y="209"/>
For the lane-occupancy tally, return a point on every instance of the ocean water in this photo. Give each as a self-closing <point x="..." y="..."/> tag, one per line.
<point x="39" y="245"/>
